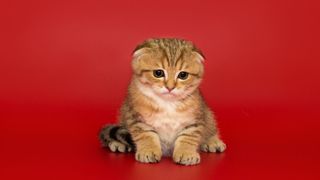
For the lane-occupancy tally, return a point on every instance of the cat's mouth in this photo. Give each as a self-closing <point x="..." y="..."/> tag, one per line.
<point x="169" y="95"/>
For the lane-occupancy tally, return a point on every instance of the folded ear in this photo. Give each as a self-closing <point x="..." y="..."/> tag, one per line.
<point x="141" y="48"/>
<point x="137" y="54"/>
<point x="198" y="54"/>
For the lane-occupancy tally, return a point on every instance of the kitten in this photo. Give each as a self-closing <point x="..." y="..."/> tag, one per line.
<point x="164" y="113"/>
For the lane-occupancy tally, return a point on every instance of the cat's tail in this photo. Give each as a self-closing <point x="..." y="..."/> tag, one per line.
<point x="116" y="137"/>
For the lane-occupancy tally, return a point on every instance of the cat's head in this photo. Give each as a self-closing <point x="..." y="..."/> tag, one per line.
<point x="168" y="68"/>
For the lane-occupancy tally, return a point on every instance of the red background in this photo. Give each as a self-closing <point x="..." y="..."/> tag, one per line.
<point x="65" y="66"/>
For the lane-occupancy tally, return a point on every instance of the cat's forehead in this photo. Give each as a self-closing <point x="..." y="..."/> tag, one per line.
<point x="172" y="50"/>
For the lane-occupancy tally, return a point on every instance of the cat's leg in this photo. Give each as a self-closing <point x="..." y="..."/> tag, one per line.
<point x="147" y="142"/>
<point x="213" y="144"/>
<point x="186" y="145"/>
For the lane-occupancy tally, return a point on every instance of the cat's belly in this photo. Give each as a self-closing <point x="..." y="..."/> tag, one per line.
<point x="168" y="127"/>
<point x="167" y="134"/>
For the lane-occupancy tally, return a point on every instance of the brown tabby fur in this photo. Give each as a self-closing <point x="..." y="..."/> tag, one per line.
<point x="176" y="123"/>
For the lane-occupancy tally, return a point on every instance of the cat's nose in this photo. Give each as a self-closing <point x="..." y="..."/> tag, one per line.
<point x="170" y="85"/>
<point x="170" y="88"/>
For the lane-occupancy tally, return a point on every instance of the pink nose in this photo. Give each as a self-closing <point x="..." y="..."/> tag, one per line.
<point x="170" y="89"/>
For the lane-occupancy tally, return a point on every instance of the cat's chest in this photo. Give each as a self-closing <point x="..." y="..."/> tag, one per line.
<point x="168" y="123"/>
<point x="169" y="118"/>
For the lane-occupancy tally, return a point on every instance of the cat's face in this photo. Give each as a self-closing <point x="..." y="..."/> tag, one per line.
<point x="171" y="71"/>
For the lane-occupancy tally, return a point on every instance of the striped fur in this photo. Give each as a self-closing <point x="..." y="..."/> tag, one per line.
<point x="117" y="138"/>
<point x="166" y="115"/>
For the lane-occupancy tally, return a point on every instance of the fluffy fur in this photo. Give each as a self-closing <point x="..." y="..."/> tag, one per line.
<point x="165" y="115"/>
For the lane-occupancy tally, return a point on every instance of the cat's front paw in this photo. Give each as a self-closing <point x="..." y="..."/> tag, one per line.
<point x="148" y="156"/>
<point x="186" y="157"/>
<point x="213" y="146"/>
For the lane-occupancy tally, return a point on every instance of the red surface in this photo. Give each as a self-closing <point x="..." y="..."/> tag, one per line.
<point x="65" y="65"/>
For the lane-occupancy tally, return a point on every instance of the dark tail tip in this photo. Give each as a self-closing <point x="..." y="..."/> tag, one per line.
<point x="111" y="132"/>
<point x="104" y="134"/>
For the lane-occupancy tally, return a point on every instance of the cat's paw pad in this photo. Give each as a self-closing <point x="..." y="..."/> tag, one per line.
<point x="115" y="146"/>
<point x="215" y="146"/>
<point x="186" y="157"/>
<point x="148" y="156"/>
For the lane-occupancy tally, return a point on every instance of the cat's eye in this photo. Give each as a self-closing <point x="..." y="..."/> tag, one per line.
<point x="158" y="73"/>
<point x="183" y="75"/>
